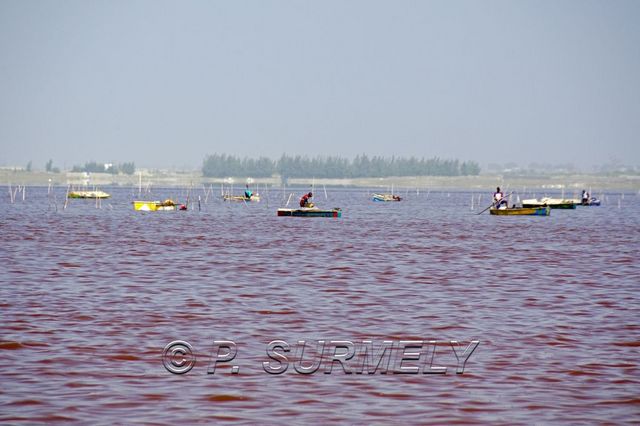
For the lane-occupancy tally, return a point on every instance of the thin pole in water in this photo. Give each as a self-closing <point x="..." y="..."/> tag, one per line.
<point x="66" y="198"/>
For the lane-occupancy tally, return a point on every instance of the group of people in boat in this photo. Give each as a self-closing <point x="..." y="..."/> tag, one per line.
<point x="500" y="201"/>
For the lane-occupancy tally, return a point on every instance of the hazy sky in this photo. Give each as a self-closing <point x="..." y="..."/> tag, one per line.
<point x="165" y="83"/>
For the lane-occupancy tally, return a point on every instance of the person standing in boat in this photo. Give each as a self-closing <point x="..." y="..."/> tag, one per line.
<point x="499" y="200"/>
<point x="304" y="201"/>
<point x="247" y="192"/>
<point x="585" y="197"/>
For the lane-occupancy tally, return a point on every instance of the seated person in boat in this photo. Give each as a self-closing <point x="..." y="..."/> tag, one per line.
<point x="304" y="201"/>
<point x="247" y="193"/>
<point x="499" y="201"/>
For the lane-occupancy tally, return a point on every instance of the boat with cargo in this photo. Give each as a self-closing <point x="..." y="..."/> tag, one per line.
<point x="554" y="203"/>
<point x="386" y="197"/>
<point x="154" y="206"/>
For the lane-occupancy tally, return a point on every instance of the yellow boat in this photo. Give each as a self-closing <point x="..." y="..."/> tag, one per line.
<point x="153" y="206"/>
<point x="88" y="194"/>
<point x="521" y="211"/>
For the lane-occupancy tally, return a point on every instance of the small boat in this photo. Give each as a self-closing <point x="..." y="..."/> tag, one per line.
<point x="554" y="203"/>
<point x="255" y="198"/>
<point x="154" y="206"/>
<point x="88" y="194"/>
<point x="521" y="211"/>
<point x="386" y="197"/>
<point x="590" y="202"/>
<point x="310" y="212"/>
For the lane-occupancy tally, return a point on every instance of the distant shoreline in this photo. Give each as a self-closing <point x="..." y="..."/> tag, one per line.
<point x="485" y="182"/>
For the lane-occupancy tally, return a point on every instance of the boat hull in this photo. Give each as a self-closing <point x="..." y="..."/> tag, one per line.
<point x="88" y="194"/>
<point x="554" y="203"/>
<point x="239" y="198"/>
<point x="385" y="197"/>
<point x="155" y="206"/>
<point x="522" y="211"/>
<point x="567" y="206"/>
<point x="310" y="212"/>
<point x="592" y="202"/>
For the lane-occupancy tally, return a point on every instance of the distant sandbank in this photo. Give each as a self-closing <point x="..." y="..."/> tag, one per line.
<point x="156" y="178"/>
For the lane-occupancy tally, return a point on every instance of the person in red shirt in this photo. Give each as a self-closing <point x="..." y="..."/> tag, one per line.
<point x="304" y="201"/>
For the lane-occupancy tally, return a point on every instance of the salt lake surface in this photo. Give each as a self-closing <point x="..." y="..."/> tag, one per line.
<point x="90" y="298"/>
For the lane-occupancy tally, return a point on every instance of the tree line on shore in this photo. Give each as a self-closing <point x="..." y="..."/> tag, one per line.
<point x="362" y="166"/>
<point x="114" y="169"/>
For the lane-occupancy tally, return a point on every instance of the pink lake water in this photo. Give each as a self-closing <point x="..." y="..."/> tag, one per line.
<point x="90" y="297"/>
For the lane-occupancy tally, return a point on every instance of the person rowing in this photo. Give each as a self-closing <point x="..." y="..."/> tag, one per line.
<point x="304" y="201"/>
<point x="247" y="192"/>
<point x="499" y="200"/>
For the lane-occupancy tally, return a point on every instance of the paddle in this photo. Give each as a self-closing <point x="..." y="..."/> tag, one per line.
<point x="493" y="204"/>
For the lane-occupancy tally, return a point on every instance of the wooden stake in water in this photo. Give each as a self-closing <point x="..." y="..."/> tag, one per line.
<point x="66" y="198"/>
<point x="325" y="192"/>
<point x="290" y="195"/>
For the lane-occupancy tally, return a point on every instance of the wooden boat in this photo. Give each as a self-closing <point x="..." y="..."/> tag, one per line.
<point x="522" y="211"/>
<point x="154" y="206"/>
<point x="255" y="198"/>
<point x="88" y="194"/>
<point x="310" y="212"/>
<point x="554" y="203"/>
<point x="386" y="197"/>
